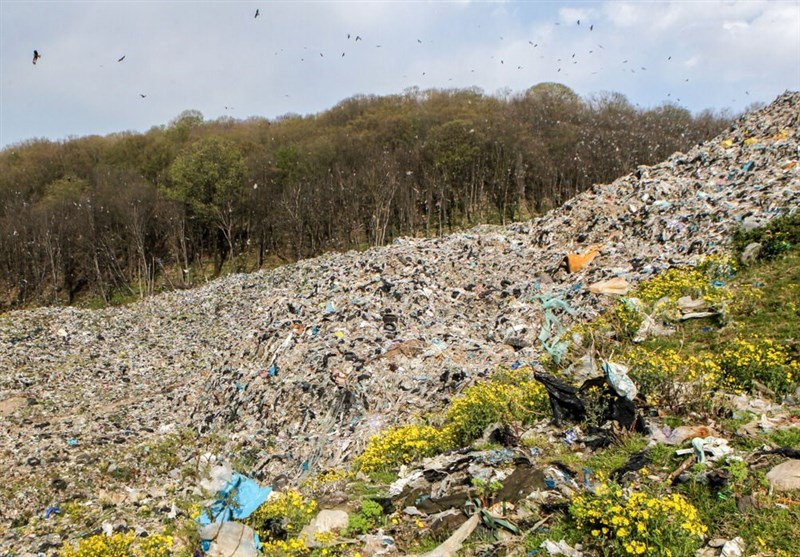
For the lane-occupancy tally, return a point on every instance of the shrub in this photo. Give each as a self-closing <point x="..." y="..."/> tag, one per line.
<point x="705" y="281"/>
<point x="368" y="517"/>
<point x="282" y="516"/>
<point x="637" y="523"/>
<point x="510" y="397"/>
<point x="672" y="380"/>
<point x="401" y="445"/>
<point x="120" y="545"/>
<point x="744" y="361"/>
<point x="776" y="238"/>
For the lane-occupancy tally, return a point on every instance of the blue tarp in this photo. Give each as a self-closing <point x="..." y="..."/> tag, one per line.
<point x="247" y="498"/>
<point x="240" y="498"/>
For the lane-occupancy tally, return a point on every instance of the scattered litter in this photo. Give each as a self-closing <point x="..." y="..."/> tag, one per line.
<point x="451" y="546"/>
<point x="577" y="261"/>
<point x="617" y="375"/>
<point x="715" y="447"/>
<point x="616" y="286"/>
<point x="561" y="548"/>
<point x="361" y="341"/>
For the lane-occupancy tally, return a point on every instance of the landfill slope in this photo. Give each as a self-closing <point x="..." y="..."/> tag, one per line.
<point x="300" y="365"/>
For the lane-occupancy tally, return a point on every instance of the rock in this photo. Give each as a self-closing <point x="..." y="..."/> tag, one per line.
<point x="230" y="539"/>
<point x="325" y="521"/>
<point x="785" y="476"/>
<point x="750" y="253"/>
<point x="733" y="548"/>
<point x="446" y="521"/>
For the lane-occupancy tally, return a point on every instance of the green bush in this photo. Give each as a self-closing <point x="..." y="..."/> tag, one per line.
<point x="776" y="238"/>
<point x="510" y="397"/>
<point x="368" y="518"/>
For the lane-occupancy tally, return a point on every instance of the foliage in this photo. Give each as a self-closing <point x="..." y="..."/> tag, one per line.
<point x="636" y="523"/>
<point x="674" y="380"/>
<point x="486" y="490"/>
<point x="776" y="238"/>
<point x="123" y="216"/>
<point x="510" y="397"/>
<point x="745" y="361"/>
<point x="292" y="547"/>
<point x="368" y="517"/>
<point x="704" y="281"/>
<point x="282" y="516"/>
<point x="120" y="545"/>
<point x="401" y="445"/>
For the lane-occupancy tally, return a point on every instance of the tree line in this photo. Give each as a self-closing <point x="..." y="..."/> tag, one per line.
<point x="131" y="213"/>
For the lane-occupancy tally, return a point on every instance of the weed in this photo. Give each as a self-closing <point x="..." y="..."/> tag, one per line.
<point x="368" y="517"/>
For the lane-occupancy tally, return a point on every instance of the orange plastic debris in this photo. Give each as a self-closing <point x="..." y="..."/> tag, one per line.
<point x="577" y="261"/>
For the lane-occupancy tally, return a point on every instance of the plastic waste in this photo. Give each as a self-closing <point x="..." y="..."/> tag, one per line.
<point x="636" y="462"/>
<point x="577" y="261"/>
<point x="237" y="499"/>
<point x="616" y="286"/>
<point x="552" y="329"/>
<point x="617" y="375"/>
<point x="707" y="448"/>
<point x="560" y="548"/>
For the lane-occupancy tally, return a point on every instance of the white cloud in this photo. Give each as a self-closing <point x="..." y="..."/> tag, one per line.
<point x="211" y="55"/>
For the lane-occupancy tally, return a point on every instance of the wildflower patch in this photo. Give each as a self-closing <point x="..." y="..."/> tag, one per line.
<point x="636" y="523"/>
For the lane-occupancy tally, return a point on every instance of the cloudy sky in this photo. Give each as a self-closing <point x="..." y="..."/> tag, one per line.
<point x="304" y="57"/>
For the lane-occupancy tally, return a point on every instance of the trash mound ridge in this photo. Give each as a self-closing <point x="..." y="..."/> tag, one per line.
<point x="302" y="364"/>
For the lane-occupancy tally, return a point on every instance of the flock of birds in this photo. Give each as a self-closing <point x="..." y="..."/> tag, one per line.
<point x="560" y="62"/>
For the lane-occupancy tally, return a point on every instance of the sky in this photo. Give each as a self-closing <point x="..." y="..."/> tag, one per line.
<point x="304" y="57"/>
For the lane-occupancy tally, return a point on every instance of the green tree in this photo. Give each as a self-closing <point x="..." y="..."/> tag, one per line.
<point x="209" y="179"/>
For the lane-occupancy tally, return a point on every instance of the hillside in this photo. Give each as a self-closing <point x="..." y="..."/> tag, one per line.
<point x="108" y="220"/>
<point x="290" y="371"/>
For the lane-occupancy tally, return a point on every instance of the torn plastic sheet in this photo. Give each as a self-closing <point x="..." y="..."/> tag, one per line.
<point x="238" y="499"/>
<point x="552" y="328"/>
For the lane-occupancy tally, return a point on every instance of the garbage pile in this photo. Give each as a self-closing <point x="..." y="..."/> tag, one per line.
<point x="378" y="337"/>
<point x="302" y="364"/>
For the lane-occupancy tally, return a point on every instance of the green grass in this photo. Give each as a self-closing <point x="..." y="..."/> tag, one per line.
<point x="777" y="314"/>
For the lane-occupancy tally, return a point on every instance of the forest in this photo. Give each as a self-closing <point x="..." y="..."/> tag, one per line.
<point x="111" y="219"/>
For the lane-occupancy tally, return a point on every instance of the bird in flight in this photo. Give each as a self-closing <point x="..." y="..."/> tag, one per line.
<point x="257" y="14"/>
<point x="358" y="38"/>
<point x="142" y="95"/>
<point x="591" y="27"/>
<point x="36" y="56"/>
<point x="121" y="59"/>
